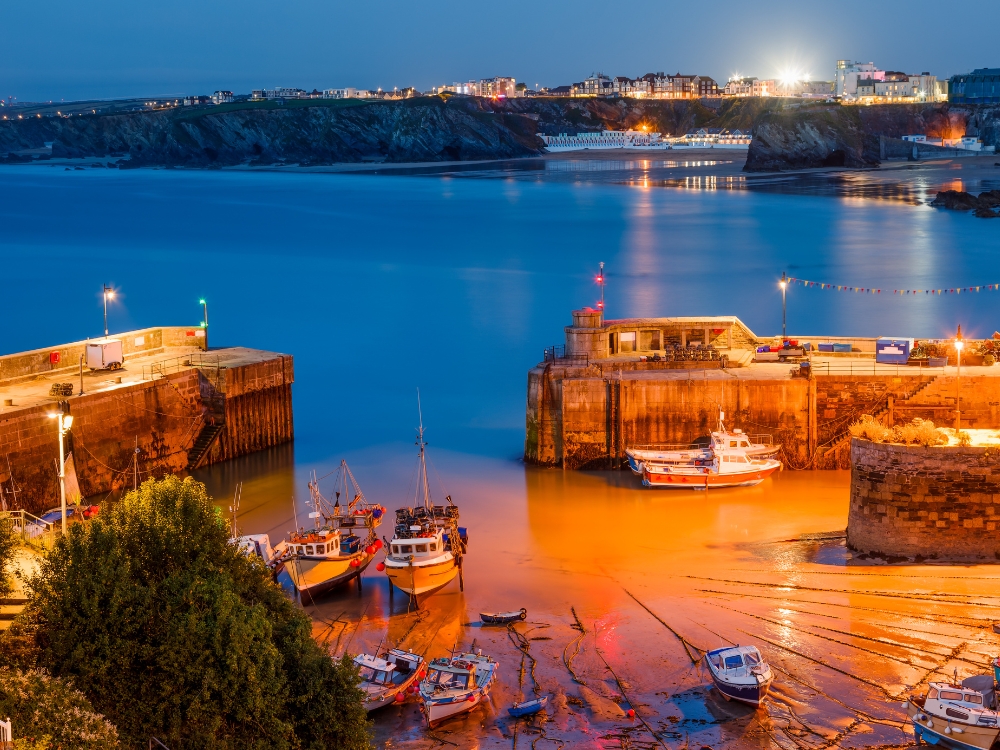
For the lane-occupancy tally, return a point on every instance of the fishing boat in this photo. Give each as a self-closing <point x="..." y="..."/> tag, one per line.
<point x="959" y="716"/>
<point x="527" y="708"/>
<point x="386" y="680"/>
<point x="455" y="685"/>
<point x="427" y="546"/>
<point x="342" y="542"/>
<point x="736" y="440"/>
<point x="502" y="618"/>
<point x="740" y="673"/>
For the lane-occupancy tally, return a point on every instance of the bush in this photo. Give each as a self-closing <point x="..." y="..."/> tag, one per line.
<point x="868" y="429"/>
<point x="171" y="632"/>
<point x="964" y="438"/>
<point x="989" y="360"/>
<point x="8" y="546"/>
<point x="46" y="712"/>
<point x="918" y="432"/>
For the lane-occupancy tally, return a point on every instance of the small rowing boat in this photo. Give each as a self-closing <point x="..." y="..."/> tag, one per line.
<point x="740" y="673"/>
<point x="502" y="618"/>
<point x="386" y="680"/>
<point x="455" y="685"/>
<point x="527" y="708"/>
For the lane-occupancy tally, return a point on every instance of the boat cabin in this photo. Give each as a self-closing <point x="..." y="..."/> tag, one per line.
<point x="374" y="670"/>
<point x="456" y="675"/>
<point x="738" y="659"/>
<point x="418" y="547"/>
<point x="324" y="542"/>
<point x="256" y="545"/>
<point x="972" y="701"/>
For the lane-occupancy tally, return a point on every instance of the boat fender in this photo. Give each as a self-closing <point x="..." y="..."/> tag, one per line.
<point x="947" y="730"/>
<point x="400" y="697"/>
<point x="906" y="705"/>
<point x="930" y="724"/>
<point x="471" y="698"/>
<point x="956" y="730"/>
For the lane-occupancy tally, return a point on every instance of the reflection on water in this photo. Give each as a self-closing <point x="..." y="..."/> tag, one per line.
<point x="639" y="570"/>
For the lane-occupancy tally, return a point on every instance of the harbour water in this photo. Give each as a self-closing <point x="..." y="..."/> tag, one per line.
<point x="379" y="285"/>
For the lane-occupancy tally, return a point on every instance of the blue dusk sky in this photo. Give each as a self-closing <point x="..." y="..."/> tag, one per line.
<point x="66" y="49"/>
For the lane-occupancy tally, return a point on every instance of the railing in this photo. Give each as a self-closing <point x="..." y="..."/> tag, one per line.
<point x="865" y="368"/>
<point x="558" y="353"/>
<point x="6" y="735"/>
<point x="155" y="743"/>
<point x="31" y="529"/>
<point x="167" y="366"/>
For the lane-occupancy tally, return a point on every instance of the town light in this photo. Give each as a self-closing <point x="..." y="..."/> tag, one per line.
<point x="109" y="293"/>
<point x="783" y="283"/>
<point x="958" y="380"/>
<point x="65" y="422"/>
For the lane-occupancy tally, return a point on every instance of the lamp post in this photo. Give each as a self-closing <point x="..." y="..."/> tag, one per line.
<point x="204" y="322"/>
<point x="600" y="280"/>
<point x="958" y="381"/>
<point x="109" y="293"/>
<point x="783" y="283"/>
<point x="65" y="423"/>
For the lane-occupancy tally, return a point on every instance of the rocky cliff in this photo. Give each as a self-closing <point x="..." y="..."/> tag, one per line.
<point x="835" y="135"/>
<point x="316" y="132"/>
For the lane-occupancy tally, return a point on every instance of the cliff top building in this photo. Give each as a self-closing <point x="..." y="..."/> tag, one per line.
<point x="981" y="86"/>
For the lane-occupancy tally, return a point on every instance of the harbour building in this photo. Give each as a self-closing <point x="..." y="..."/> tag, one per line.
<point x="981" y="86"/>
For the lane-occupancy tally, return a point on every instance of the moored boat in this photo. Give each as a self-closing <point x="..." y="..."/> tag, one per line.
<point x="456" y="684"/>
<point x="527" y="708"/>
<point x="427" y="546"/>
<point x="502" y="618"/>
<point x="386" y="680"/>
<point x="342" y="542"/>
<point x="961" y="717"/>
<point x="740" y="673"/>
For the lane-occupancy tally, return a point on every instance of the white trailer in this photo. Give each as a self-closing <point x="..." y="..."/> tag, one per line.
<point x="104" y="354"/>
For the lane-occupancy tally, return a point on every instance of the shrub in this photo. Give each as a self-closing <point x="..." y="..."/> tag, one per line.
<point x="964" y="438"/>
<point x="989" y="360"/>
<point x="171" y="632"/>
<point x="868" y="429"/>
<point x="8" y="546"/>
<point x="46" y="712"/>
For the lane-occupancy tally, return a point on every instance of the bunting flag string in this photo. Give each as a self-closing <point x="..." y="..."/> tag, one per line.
<point x="872" y="290"/>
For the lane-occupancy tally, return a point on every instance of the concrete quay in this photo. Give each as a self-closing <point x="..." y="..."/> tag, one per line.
<point x="588" y="403"/>
<point x="177" y="404"/>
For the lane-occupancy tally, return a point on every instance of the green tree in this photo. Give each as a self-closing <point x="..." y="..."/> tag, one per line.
<point x="171" y="632"/>
<point x="46" y="712"/>
<point x="8" y="545"/>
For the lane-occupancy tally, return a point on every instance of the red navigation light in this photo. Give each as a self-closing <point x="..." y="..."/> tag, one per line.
<point x="600" y="305"/>
<point x="600" y="279"/>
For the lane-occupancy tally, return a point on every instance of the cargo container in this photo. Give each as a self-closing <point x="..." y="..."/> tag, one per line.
<point x="893" y="351"/>
<point x="104" y="354"/>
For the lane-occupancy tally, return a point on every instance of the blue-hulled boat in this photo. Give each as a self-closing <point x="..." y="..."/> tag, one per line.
<point x="527" y="708"/>
<point x="740" y="673"/>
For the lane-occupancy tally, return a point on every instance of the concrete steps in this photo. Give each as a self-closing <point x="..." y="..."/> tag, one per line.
<point x="9" y="609"/>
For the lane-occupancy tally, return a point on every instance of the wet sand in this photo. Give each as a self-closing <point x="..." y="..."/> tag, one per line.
<point x="626" y="588"/>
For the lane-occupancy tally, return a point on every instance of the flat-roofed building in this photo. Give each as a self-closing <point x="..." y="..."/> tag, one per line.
<point x="981" y="86"/>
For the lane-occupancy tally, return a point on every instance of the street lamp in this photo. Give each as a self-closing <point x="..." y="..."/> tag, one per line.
<point x="204" y="322"/>
<point x="65" y="423"/>
<point x="783" y="283"/>
<point x="600" y="280"/>
<point x="109" y="293"/>
<point x="958" y="382"/>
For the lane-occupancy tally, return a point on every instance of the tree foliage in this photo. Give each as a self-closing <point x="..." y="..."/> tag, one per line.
<point x="46" y="712"/>
<point x="172" y="632"/>
<point x="8" y="546"/>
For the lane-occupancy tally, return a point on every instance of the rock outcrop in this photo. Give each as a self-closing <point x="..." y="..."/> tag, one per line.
<point x="983" y="205"/>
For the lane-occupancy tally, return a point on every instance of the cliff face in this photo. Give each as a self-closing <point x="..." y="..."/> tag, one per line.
<point x="324" y="132"/>
<point x="834" y="135"/>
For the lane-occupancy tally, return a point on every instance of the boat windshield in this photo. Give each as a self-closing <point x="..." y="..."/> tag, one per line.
<point x="449" y="680"/>
<point x="752" y="657"/>
<point x="371" y="675"/>
<point x="734" y="662"/>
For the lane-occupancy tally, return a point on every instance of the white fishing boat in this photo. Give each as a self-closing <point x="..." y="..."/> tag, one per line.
<point x="386" y="680"/>
<point x="740" y="673"/>
<point x="729" y="460"/>
<point x="427" y="546"/>
<point x="455" y="685"/>
<point x="962" y="717"/>
<point x="342" y="542"/>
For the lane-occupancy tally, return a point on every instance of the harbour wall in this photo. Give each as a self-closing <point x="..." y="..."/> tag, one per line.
<point x="178" y="420"/>
<point x="917" y="502"/>
<point x="584" y="417"/>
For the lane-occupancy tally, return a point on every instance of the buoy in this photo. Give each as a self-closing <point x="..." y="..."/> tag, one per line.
<point x="378" y="544"/>
<point x="380" y="567"/>
<point x="355" y="563"/>
<point x="906" y="705"/>
<point x="370" y="549"/>
<point x="400" y="697"/>
<point x="947" y="730"/>
<point x="630" y="713"/>
<point x="472" y="697"/>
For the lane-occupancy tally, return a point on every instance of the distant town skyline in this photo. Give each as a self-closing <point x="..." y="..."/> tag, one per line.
<point x="118" y="49"/>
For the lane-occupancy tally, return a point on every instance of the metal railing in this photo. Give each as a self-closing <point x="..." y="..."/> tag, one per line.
<point x="558" y="353"/>
<point x="31" y="529"/>
<point x="165" y="367"/>
<point x="866" y="368"/>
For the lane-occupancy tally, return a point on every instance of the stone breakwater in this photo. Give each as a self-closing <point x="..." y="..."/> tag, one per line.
<point x="924" y="503"/>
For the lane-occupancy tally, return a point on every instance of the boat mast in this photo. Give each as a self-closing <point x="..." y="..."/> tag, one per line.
<point x="423" y="458"/>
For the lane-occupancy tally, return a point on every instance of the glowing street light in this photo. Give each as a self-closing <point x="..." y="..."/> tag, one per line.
<point x="65" y="423"/>
<point x="204" y="322"/>
<point x="783" y="283"/>
<point x="109" y="293"/>
<point x="600" y="280"/>
<point x="959" y="344"/>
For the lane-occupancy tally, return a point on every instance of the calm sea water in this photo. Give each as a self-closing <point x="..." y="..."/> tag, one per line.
<point x="379" y="285"/>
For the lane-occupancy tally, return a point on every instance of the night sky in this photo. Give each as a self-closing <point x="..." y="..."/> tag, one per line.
<point x="65" y="49"/>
